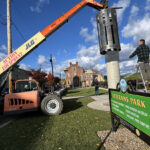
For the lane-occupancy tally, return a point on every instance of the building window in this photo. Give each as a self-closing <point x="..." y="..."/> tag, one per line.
<point x="81" y="78"/>
<point x="90" y="83"/>
<point x="75" y="74"/>
<point x="68" y="75"/>
<point x="87" y="83"/>
<point x="74" y="69"/>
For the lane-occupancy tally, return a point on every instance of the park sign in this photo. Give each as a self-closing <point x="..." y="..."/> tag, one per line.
<point x="132" y="109"/>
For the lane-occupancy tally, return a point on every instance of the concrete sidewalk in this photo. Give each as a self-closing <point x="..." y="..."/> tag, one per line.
<point x="101" y="103"/>
<point x="72" y="97"/>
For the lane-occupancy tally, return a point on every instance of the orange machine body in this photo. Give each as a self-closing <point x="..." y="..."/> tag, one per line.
<point x="25" y="101"/>
<point x="22" y="101"/>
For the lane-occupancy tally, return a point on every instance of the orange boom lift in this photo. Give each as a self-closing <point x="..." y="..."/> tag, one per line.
<point x="27" y="95"/>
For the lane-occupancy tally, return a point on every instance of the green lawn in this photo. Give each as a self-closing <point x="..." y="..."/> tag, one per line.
<point x="74" y="129"/>
<point x="132" y="77"/>
<point x="83" y="92"/>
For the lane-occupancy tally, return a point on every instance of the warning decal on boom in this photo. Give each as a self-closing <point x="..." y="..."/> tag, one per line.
<point x="18" y="54"/>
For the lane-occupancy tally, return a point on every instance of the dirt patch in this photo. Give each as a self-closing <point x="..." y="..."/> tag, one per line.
<point x="123" y="139"/>
<point x="106" y="104"/>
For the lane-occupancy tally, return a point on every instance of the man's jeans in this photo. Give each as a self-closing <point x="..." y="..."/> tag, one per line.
<point x="96" y="92"/>
<point x="145" y="70"/>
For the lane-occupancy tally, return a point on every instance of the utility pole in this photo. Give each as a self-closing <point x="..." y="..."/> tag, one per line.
<point x="60" y="75"/>
<point x="9" y="39"/>
<point x="60" y="79"/>
<point x="51" y="61"/>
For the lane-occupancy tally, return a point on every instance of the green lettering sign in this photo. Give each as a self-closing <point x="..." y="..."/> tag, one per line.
<point x="133" y="111"/>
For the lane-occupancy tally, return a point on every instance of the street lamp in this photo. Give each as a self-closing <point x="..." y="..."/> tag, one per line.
<point x="51" y="61"/>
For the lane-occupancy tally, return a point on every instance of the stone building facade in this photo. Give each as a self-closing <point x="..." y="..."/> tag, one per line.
<point x="90" y="75"/>
<point x="75" y="76"/>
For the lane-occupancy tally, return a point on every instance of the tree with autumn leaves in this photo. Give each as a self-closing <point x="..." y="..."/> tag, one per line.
<point x="43" y="77"/>
<point x="51" y="79"/>
<point x="39" y="76"/>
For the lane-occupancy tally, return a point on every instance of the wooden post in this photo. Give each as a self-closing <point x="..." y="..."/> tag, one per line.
<point x="9" y="39"/>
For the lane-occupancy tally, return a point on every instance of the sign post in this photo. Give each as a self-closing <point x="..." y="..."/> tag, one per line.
<point x="131" y="109"/>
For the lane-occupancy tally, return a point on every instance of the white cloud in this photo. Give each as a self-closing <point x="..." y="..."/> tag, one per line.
<point x="24" y="66"/>
<point x="87" y="57"/>
<point x="101" y="68"/>
<point x="127" y="67"/>
<point x="42" y="60"/>
<point x="89" y="52"/>
<point x="90" y="37"/>
<point x="121" y="3"/>
<point x="45" y="64"/>
<point x="3" y="47"/>
<point x="134" y="10"/>
<point x="137" y="29"/>
<point x="126" y="50"/>
<point x="38" y="6"/>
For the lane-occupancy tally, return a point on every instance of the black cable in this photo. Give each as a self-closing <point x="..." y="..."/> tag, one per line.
<point x="13" y="23"/>
<point x="3" y="23"/>
<point x="18" y="31"/>
<point x="99" y="148"/>
<point x="116" y="127"/>
<point x="21" y="35"/>
<point x="2" y="20"/>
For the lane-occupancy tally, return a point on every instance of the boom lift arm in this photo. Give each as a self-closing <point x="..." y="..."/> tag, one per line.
<point x="32" y="43"/>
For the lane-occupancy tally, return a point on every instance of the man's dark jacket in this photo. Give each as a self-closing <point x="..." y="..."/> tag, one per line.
<point x="142" y="52"/>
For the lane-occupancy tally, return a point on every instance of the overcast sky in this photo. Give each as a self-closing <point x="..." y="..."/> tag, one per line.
<point x="76" y="40"/>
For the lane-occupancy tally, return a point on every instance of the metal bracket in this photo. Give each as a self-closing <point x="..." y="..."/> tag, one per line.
<point x="115" y="124"/>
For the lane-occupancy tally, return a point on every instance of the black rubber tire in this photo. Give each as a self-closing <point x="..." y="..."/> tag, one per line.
<point x="47" y="99"/>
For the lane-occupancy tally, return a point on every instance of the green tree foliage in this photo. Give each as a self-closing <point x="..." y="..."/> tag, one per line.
<point x="57" y="80"/>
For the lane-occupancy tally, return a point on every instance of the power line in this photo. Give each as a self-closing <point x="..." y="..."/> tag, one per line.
<point x="17" y="28"/>
<point x="3" y="20"/>
<point x="21" y="35"/>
